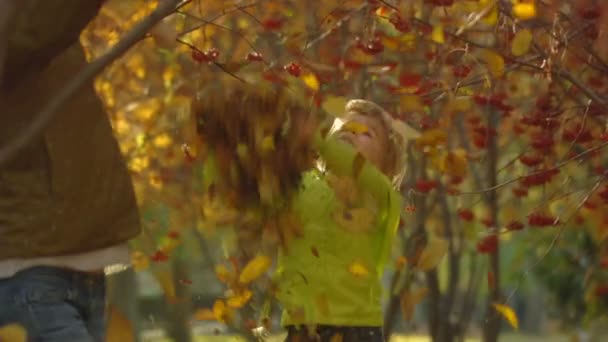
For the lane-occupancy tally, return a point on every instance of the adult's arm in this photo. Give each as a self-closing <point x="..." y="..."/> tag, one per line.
<point x="8" y="8"/>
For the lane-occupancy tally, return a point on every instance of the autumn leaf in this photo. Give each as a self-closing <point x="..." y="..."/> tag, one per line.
<point x="524" y="10"/>
<point x="311" y="81"/>
<point x="358" y="270"/>
<point x="337" y="337"/>
<point x="355" y="127"/>
<point x="119" y="329"/>
<point x="508" y="314"/>
<point x="254" y="269"/>
<point x="334" y="105"/>
<point x="139" y="261"/>
<point x="432" y="138"/>
<point x="454" y="163"/>
<point x="411" y="103"/>
<point x="438" y="35"/>
<point x="495" y="62"/>
<point x="409" y="300"/>
<point x="204" y="315"/>
<point x="239" y="299"/>
<point x="432" y="254"/>
<point x="521" y="42"/>
<point x="13" y="333"/>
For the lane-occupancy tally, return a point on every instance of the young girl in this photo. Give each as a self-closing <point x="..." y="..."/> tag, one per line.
<point x="329" y="279"/>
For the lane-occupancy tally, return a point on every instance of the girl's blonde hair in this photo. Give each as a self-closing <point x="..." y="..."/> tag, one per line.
<point x="399" y="133"/>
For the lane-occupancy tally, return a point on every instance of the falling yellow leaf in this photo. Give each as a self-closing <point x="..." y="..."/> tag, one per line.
<point x="508" y="314"/>
<point x="432" y="254"/>
<point x="139" y="261"/>
<point x="239" y="299"/>
<point x="411" y="103"/>
<point x="358" y="270"/>
<point x="222" y="312"/>
<point x="524" y="10"/>
<point x="521" y="42"/>
<point x="409" y="300"/>
<point x="438" y="35"/>
<point x="13" y="333"/>
<point x="311" y="81"/>
<point x="119" y="327"/>
<point x="454" y="163"/>
<point x="268" y="144"/>
<point x="165" y="279"/>
<point x="337" y="337"/>
<point x="491" y="18"/>
<point x="204" y="315"/>
<point x="254" y="269"/>
<point x="496" y="64"/>
<point x="334" y="105"/>
<point x="162" y="140"/>
<point x="355" y="127"/>
<point x="432" y="137"/>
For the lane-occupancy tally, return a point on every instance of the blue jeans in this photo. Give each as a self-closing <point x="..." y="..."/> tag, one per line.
<point x="55" y="304"/>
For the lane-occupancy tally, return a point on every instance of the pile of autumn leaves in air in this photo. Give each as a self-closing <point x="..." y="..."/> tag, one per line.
<point x="254" y="154"/>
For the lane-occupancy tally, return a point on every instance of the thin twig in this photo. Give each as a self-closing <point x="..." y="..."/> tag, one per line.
<point x="87" y="74"/>
<point x="557" y="236"/>
<point x="556" y="166"/>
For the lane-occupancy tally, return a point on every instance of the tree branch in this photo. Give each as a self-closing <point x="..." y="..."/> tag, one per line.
<point x="87" y="74"/>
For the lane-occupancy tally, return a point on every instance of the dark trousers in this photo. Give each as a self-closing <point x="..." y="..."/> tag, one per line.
<point x="326" y="333"/>
<point x="54" y="304"/>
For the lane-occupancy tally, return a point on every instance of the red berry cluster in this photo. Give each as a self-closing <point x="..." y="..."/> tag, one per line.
<point x="541" y="220"/>
<point x="488" y="244"/>
<point x="539" y="177"/>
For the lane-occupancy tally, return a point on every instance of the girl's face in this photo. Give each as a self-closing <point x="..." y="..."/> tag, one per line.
<point x="368" y="136"/>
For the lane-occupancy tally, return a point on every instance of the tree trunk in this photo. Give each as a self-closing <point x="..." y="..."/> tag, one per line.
<point x="492" y="320"/>
<point x="179" y="312"/>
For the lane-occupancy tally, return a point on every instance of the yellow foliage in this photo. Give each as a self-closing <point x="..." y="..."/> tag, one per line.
<point x="437" y="35"/>
<point x="254" y="269"/>
<point x="495" y="62"/>
<point x="432" y="254"/>
<point x="358" y="270"/>
<point x="454" y="163"/>
<point x="521" y="42"/>
<point x="13" y="333"/>
<point x="334" y="105"/>
<point x="524" y="10"/>
<point x="508" y="314"/>
<point x="311" y="81"/>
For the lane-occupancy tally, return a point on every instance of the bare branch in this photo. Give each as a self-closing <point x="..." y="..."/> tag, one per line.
<point x="87" y="74"/>
<point x="557" y="166"/>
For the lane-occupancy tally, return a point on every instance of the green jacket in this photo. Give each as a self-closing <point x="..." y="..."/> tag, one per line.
<point x="332" y="275"/>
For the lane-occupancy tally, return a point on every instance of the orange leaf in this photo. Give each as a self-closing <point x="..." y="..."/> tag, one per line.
<point x="239" y="299"/>
<point x="204" y="315"/>
<point x="119" y="328"/>
<point x="409" y="300"/>
<point x="13" y="333"/>
<point x="254" y="269"/>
